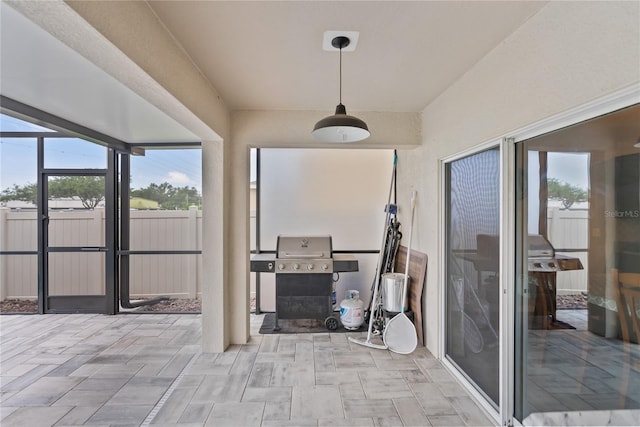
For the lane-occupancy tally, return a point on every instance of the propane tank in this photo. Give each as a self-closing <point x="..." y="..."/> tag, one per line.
<point x="334" y="298"/>
<point x="351" y="310"/>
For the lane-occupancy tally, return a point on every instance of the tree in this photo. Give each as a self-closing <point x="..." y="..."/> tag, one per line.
<point x="27" y="193"/>
<point x="168" y="196"/>
<point x="568" y="194"/>
<point x="89" y="189"/>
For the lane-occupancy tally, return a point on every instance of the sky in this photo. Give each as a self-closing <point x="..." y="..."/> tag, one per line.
<point x="179" y="168"/>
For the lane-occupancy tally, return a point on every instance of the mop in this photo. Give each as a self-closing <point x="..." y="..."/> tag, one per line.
<point x="374" y="300"/>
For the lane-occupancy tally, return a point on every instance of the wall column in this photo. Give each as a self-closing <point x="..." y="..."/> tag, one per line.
<point x="215" y="337"/>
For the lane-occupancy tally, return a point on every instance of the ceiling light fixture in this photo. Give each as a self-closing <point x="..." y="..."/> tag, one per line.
<point x="637" y="144"/>
<point x="340" y="127"/>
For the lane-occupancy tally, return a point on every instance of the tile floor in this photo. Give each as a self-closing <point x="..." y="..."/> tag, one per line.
<point x="147" y="369"/>
<point x="576" y="370"/>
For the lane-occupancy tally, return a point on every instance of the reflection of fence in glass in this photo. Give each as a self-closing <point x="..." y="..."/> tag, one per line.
<point x="569" y="229"/>
<point x="150" y="275"/>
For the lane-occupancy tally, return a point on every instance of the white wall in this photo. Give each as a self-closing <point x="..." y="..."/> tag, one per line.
<point x="336" y="192"/>
<point x="564" y="56"/>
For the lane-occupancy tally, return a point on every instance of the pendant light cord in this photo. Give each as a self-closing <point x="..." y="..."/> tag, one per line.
<point x="340" y="74"/>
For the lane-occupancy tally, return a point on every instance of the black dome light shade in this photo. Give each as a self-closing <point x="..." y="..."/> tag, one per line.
<point x="340" y="127"/>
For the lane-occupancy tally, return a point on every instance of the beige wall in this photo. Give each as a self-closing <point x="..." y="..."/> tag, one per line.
<point x="568" y="54"/>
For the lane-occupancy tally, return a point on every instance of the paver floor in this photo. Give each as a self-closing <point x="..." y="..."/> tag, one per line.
<point x="147" y="369"/>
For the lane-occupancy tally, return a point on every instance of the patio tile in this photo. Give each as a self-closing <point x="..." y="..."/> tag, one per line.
<point x="43" y="392"/>
<point x="236" y="414"/>
<point x="315" y="402"/>
<point x="85" y="398"/>
<point x="277" y="411"/>
<point x="175" y="405"/>
<point x="195" y="413"/>
<point x="470" y="412"/>
<point x="352" y="390"/>
<point x="410" y="412"/>
<point x="77" y="416"/>
<point x="445" y="420"/>
<point x="343" y="422"/>
<point x="375" y="408"/>
<point x="107" y="384"/>
<point x="120" y="414"/>
<point x="275" y="380"/>
<point x="40" y="416"/>
<point x="220" y="389"/>
<point x="138" y="394"/>
<point x="267" y="394"/>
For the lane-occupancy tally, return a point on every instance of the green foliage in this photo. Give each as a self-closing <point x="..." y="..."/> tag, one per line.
<point x="568" y="194"/>
<point x="168" y="196"/>
<point x="89" y="189"/>
<point x="27" y="193"/>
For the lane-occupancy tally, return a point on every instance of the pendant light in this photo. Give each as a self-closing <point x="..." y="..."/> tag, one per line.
<point x="340" y="127"/>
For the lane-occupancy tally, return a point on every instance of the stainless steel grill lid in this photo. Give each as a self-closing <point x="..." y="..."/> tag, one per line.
<point x="304" y="247"/>
<point x="304" y="254"/>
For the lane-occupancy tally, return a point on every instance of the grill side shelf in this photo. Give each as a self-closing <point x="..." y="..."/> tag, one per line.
<point x="343" y="263"/>
<point x="263" y="263"/>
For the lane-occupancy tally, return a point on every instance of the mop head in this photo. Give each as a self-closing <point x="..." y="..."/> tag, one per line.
<point x="367" y="343"/>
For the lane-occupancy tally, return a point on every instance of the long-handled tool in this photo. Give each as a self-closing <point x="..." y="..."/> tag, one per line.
<point x="375" y="297"/>
<point x="400" y="333"/>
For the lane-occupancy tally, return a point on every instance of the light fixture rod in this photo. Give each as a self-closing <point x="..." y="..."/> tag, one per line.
<point x="340" y="74"/>
<point x="340" y="42"/>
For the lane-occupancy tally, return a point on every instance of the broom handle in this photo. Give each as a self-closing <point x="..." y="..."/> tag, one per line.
<point x="406" y="269"/>
<point x="374" y="298"/>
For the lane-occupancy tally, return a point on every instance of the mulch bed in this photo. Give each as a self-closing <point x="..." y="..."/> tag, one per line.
<point x="572" y="302"/>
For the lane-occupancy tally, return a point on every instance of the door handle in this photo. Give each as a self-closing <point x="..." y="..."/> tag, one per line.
<point x="94" y="249"/>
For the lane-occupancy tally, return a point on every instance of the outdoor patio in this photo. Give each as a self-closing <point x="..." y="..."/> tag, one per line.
<point x="147" y="369"/>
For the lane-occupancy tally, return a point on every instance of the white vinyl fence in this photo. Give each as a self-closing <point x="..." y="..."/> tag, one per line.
<point x="569" y="229"/>
<point x="175" y="275"/>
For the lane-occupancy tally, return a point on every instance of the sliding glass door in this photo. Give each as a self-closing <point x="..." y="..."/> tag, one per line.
<point x="472" y="297"/>
<point x="578" y="303"/>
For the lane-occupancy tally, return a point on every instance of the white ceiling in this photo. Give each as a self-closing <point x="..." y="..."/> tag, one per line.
<point x="268" y="55"/>
<point x="42" y="72"/>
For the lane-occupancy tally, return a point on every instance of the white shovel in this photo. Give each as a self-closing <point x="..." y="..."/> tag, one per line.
<point x="400" y="334"/>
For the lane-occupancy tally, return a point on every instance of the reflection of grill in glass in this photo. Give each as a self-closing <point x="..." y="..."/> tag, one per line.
<point x="543" y="263"/>
<point x="542" y="257"/>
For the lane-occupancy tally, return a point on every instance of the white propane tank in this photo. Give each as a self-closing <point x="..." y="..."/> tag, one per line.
<point x="351" y="310"/>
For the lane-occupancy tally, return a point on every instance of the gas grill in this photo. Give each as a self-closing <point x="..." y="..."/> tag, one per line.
<point x="543" y="264"/>
<point x="543" y="257"/>
<point x="304" y="268"/>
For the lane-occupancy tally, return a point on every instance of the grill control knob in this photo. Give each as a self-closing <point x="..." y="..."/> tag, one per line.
<point x="324" y="267"/>
<point x="296" y="266"/>
<point x="552" y="265"/>
<point x="309" y="267"/>
<point x="281" y="266"/>
<point x="537" y="265"/>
